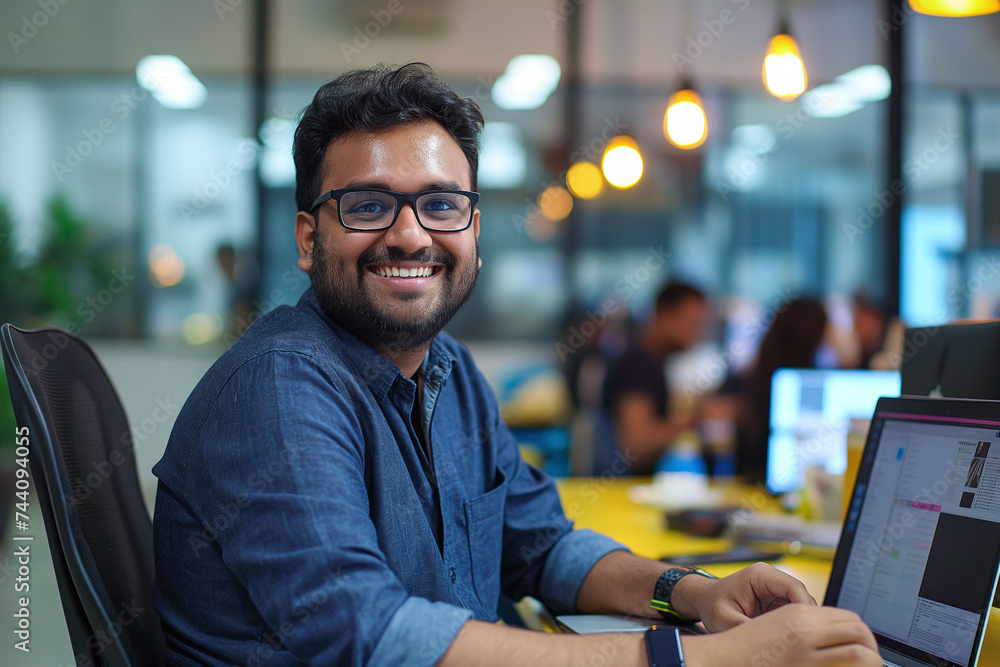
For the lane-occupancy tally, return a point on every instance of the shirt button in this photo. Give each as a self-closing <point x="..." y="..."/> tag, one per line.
<point x="454" y="576"/>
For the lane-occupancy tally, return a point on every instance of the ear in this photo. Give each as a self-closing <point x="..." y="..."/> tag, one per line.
<point x="305" y="236"/>
<point x="475" y="229"/>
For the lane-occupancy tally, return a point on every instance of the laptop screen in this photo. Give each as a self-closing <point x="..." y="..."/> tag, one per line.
<point x="920" y="549"/>
<point x="810" y="415"/>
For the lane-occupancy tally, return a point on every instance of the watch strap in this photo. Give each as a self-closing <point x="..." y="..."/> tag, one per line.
<point x="664" y="589"/>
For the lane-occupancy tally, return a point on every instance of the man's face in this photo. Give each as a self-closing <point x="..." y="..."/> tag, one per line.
<point x="684" y="325"/>
<point x="346" y="265"/>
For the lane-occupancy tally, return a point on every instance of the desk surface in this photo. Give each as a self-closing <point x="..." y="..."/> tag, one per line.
<point x="602" y="504"/>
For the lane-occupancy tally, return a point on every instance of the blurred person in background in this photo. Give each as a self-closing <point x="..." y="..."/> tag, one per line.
<point x="635" y="392"/>
<point x="589" y="340"/>
<point x="792" y="341"/>
<point x="870" y="324"/>
<point x="239" y="288"/>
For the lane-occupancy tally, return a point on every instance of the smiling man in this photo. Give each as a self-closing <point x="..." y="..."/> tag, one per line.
<point x="340" y="488"/>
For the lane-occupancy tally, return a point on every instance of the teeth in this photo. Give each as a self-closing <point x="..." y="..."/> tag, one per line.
<point x="395" y="271"/>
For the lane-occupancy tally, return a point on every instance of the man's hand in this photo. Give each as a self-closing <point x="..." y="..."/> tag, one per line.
<point x="733" y="600"/>
<point x="794" y="636"/>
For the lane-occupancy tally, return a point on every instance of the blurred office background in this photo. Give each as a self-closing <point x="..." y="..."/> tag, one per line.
<point x="195" y="201"/>
<point x="148" y="202"/>
<point x="158" y="221"/>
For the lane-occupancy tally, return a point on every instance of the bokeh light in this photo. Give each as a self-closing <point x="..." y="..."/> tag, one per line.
<point x="584" y="180"/>
<point x="622" y="163"/>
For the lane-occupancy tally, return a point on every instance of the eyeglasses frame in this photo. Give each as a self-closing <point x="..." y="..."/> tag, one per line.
<point x="401" y="198"/>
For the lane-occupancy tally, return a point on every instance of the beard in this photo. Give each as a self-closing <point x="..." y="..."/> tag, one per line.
<point x="347" y="300"/>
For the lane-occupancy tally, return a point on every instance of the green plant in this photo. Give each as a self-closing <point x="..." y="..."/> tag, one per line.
<point x="46" y="289"/>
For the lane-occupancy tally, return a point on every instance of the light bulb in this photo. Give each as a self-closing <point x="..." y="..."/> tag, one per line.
<point x="955" y="7"/>
<point x="622" y="163"/>
<point x="684" y="123"/>
<point x="584" y="180"/>
<point x="784" y="71"/>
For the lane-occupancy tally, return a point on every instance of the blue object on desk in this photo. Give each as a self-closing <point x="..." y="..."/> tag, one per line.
<point x="682" y="460"/>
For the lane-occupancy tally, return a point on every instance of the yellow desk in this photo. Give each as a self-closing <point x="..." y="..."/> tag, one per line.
<point x="602" y="504"/>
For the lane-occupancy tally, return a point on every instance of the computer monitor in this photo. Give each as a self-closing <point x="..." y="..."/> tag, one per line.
<point x="811" y="413"/>
<point x="952" y="361"/>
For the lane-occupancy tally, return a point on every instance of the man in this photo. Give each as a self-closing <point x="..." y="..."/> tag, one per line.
<point x="635" y="393"/>
<point x="340" y="490"/>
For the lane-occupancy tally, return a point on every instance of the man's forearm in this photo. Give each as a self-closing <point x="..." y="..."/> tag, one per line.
<point x="622" y="583"/>
<point x="480" y="644"/>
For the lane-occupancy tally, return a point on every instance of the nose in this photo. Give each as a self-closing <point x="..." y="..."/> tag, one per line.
<point x="406" y="233"/>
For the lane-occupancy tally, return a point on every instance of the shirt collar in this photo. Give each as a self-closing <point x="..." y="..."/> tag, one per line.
<point x="378" y="372"/>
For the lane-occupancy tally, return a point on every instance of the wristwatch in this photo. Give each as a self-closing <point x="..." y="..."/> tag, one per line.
<point x="664" y="647"/>
<point x="665" y="588"/>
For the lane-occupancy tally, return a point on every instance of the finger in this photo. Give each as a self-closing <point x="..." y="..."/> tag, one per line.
<point x="780" y="586"/>
<point x="838" y="630"/>
<point x="726" y="616"/>
<point x="853" y="655"/>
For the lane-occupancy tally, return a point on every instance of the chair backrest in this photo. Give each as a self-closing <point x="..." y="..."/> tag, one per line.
<point x="84" y="473"/>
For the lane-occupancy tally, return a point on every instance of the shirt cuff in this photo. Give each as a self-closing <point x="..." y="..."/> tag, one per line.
<point x="419" y="633"/>
<point x="568" y="564"/>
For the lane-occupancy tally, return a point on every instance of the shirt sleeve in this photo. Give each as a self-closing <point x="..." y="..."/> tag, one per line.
<point x="543" y="555"/>
<point x="283" y="445"/>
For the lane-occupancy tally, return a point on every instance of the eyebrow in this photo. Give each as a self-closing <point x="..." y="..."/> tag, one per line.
<point x="432" y="186"/>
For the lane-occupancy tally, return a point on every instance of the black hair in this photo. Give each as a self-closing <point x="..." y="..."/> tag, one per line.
<point x="674" y="293"/>
<point x="378" y="98"/>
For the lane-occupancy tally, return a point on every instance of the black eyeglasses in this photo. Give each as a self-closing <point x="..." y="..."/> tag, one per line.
<point x="371" y="209"/>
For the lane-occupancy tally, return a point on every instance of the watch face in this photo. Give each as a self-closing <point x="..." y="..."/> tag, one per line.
<point x="664" y="647"/>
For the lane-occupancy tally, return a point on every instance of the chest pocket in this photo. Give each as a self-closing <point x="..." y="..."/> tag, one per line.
<point x="485" y="516"/>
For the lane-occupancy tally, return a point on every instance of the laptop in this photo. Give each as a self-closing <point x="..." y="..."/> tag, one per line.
<point x="919" y="553"/>
<point x="810" y="415"/>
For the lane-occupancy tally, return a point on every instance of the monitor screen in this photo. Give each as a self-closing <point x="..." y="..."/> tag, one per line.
<point x="811" y="413"/>
<point x="919" y="554"/>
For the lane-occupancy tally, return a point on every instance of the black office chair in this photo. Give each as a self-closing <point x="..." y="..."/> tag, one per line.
<point x="83" y="472"/>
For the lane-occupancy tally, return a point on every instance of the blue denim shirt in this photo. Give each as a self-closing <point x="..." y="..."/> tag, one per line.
<point x="295" y="520"/>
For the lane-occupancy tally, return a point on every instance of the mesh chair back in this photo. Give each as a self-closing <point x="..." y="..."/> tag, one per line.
<point x="82" y="456"/>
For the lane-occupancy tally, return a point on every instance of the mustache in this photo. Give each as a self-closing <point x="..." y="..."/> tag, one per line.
<point x="387" y="255"/>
